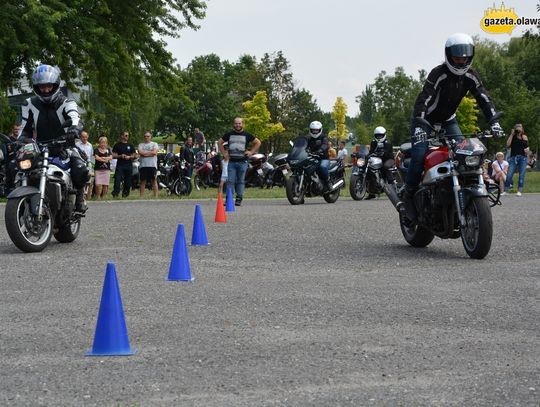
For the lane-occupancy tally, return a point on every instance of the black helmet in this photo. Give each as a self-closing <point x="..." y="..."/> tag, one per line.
<point x="46" y="75"/>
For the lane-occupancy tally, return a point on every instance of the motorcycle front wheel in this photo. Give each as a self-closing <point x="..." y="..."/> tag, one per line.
<point x="25" y="230"/>
<point x="68" y="233"/>
<point x="357" y="187"/>
<point x="182" y="187"/>
<point x="477" y="232"/>
<point x="295" y="194"/>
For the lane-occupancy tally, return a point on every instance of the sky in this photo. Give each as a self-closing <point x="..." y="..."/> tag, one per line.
<point x="337" y="48"/>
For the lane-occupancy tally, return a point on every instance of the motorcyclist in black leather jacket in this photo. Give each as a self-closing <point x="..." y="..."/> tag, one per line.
<point x="44" y="115"/>
<point x="318" y="144"/>
<point x="382" y="147"/>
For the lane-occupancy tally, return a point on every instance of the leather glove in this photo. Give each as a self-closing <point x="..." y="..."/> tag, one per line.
<point x="497" y="130"/>
<point x="71" y="134"/>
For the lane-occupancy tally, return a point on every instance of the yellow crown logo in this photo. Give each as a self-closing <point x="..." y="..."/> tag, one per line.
<point x="499" y="20"/>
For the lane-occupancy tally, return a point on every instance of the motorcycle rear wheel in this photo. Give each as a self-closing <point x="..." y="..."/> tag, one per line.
<point x="295" y="194"/>
<point x="24" y="229"/>
<point x="477" y="233"/>
<point x="68" y="233"/>
<point x="357" y="187"/>
<point x="415" y="235"/>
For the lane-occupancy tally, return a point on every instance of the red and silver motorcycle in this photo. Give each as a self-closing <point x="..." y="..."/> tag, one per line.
<point x="452" y="200"/>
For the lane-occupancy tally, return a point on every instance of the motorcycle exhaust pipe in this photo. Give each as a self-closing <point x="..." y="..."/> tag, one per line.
<point x="393" y="196"/>
<point x="162" y="185"/>
<point x="337" y="185"/>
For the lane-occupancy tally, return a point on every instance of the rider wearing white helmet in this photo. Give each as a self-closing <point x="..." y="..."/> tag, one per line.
<point x="318" y="144"/>
<point x="382" y="147"/>
<point x="443" y="90"/>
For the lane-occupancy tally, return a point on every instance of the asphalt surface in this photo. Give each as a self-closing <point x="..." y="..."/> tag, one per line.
<point x="314" y="305"/>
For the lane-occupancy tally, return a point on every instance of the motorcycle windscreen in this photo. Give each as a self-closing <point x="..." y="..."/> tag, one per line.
<point x="470" y="146"/>
<point x="298" y="152"/>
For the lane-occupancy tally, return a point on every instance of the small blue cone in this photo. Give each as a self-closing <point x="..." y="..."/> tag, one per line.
<point x="111" y="338"/>
<point x="198" y="236"/>
<point x="179" y="269"/>
<point x="229" y="206"/>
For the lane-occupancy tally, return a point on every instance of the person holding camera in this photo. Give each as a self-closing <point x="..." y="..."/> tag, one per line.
<point x="518" y="143"/>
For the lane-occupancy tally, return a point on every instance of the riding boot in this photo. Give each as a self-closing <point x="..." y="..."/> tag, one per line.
<point x="80" y="205"/>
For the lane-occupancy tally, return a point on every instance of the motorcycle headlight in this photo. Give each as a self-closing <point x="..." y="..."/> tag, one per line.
<point x="25" y="164"/>
<point x="360" y="162"/>
<point x="472" y="161"/>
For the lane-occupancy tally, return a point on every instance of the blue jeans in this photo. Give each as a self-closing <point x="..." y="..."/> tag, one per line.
<point x="419" y="150"/>
<point x="518" y="162"/>
<point x="236" y="172"/>
<point x="323" y="170"/>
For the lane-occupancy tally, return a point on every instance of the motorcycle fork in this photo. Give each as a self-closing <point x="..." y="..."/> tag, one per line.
<point x="43" y="183"/>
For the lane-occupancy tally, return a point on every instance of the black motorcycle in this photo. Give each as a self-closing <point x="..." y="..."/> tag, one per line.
<point x="172" y="175"/>
<point x="277" y="176"/>
<point x="43" y="202"/>
<point x="304" y="180"/>
<point x="258" y="171"/>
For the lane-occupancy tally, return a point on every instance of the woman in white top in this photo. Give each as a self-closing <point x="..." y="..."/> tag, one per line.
<point x="500" y="169"/>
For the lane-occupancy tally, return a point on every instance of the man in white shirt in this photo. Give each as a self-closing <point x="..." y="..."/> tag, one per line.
<point x="148" y="151"/>
<point x="84" y="146"/>
<point x="342" y="152"/>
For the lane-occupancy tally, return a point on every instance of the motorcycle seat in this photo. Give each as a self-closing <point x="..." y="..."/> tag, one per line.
<point x="405" y="148"/>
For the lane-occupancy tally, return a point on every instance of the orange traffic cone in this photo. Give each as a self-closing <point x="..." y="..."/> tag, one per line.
<point x="220" y="210"/>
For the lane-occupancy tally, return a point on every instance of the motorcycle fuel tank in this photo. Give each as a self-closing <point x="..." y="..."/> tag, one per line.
<point x="435" y="157"/>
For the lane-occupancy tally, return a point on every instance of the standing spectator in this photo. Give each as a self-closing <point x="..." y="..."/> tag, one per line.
<point x="342" y="152"/>
<point x="200" y="141"/>
<point x="188" y="155"/>
<point x="15" y="131"/>
<point x="332" y="155"/>
<point x="236" y="154"/>
<point x="499" y="169"/>
<point x="103" y="156"/>
<point x="124" y="152"/>
<point x="519" y="147"/>
<point x="148" y="151"/>
<point x="84" y="146"/>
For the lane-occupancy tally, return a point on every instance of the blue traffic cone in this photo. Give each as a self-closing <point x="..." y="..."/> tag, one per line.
<point x="229" y="206"/>
<point x="198" y="236"/>
<point x="179" y="269"/>
<point x="111" y="338"/>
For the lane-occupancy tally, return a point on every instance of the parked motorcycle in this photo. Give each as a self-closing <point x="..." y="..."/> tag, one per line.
<point x="43" y="202"/>
<point x="207" y="171"/>
<point x="257" y="171"/>
<point x="172" y="175"/>
<point x="5" y="157"/>
<point x="278" y="175"/>
<point x="452" y="200"/>
<point x="368" y="176"/>
<point x="304" y="180"/>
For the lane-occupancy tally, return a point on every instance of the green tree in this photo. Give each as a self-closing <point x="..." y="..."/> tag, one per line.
<point x="467" y="115"/>
<point x="368" y="108"/>
<point x="339" y="114"/>
<point x="257" y="119"/>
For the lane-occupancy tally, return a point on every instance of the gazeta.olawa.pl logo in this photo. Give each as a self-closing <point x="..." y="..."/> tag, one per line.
<point x="504" y="20"/>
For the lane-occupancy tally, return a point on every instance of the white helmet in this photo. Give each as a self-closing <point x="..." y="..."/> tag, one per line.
<point x="462" y="46"/>
<point x="46" y="75"/>
<point x="315" y="129"/>
<point x="379" y="134"/>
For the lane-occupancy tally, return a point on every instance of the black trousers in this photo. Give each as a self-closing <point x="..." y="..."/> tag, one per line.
<point x="122" y="174"/>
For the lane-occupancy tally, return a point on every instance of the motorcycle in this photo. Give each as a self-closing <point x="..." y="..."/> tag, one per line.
<point x="207" y="171"/>
<point x="172" y="175"/>
<point x="452" y="200"/>
<point x="5" y="157"/>
<point x="368" y="175"/>
<point x="43" y="202"/>
<point x="278" y="175"/>
<point x="257" y="171"/>
<point x="304" y="180"/>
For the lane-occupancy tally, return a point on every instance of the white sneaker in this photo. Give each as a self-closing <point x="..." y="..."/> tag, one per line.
<point x="518" y="193"/>
<point x="503" y="193"/>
